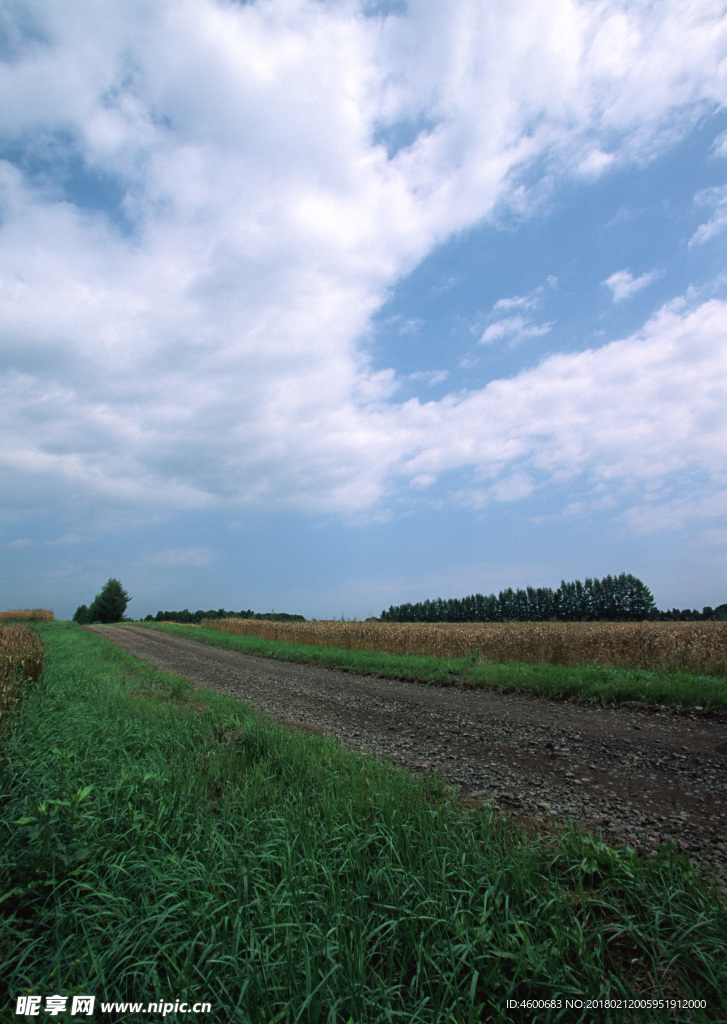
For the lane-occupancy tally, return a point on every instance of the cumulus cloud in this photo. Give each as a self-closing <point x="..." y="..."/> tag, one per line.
<point x="623" y="284"/>
<point x="198" y="219"/>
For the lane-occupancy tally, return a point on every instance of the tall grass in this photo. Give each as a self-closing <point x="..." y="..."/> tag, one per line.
<point x="697" y="647"/>
<point x="159" y="840"/>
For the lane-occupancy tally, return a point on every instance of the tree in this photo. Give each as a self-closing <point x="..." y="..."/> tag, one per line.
<point x="638" y="601"/>
<point x="110" y="604"/>
<point x="81" y="615"/>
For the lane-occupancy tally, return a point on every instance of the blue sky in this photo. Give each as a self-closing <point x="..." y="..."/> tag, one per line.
<point x="325" y="305"/>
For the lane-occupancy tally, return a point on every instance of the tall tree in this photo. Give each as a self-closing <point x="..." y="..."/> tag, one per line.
<point x="110" y="604"/>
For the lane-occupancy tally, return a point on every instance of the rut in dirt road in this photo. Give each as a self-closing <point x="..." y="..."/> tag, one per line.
<point x="633" y="775"/>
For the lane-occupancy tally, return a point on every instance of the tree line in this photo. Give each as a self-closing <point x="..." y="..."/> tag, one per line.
<point x="621" y="598"/>
<point x="185" y="617"/>
<point x="707" y="614"/>
<point x="110" y="604"/>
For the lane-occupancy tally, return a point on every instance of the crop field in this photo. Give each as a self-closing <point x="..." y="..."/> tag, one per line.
<point x="21" y="661"/>
<point x="695" y="647"/>
<point x="27" y="615"/>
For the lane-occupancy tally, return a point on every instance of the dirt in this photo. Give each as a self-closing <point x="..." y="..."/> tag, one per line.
<point x="628" y="774"/>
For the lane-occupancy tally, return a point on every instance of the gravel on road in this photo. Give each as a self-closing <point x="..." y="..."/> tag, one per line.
<point x="625" y="773"/>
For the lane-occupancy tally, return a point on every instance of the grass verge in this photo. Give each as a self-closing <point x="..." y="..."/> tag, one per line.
<point x="592" y="683"/>
<point x="159" y="842"/>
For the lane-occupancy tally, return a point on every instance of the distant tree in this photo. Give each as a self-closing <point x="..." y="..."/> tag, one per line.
<point x="81" y="615"/>
<point x="110" y="604"/>
<point x="634" y="600"/>
<point x="507" y="603"/>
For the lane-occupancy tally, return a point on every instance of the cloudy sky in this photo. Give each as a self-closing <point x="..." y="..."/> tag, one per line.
<point x="324" y="305"/>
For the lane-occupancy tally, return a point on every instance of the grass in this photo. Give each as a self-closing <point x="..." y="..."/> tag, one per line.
<point x="162" y="842"/>
<point x="595" y="683"/>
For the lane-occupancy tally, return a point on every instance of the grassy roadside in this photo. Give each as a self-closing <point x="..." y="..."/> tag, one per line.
<point x="588" y="682"/>
<point x="162" y="842"/>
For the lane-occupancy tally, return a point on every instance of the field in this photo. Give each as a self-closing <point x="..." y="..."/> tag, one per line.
<point x="161" y="841"/>
<point x="695" y="647"/>
<point x="21" y="662"/>
<point x="27" y="615"/>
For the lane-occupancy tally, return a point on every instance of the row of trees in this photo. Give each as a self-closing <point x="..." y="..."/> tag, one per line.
<point x="107" y="606"/>
<point x="707" y="614"/>
<point x="111" y="603"/>
<point x="194" y="618"/>
<point x="621" y="598"/>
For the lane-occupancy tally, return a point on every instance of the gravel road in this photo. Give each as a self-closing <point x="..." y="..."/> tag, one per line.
<point x="628" y="774"/>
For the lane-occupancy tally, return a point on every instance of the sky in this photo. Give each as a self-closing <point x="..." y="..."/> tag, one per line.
<point x="320" y="306"/>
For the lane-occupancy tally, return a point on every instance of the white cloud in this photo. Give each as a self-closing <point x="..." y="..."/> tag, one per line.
<point x="674" y="513"/>
<point x="632" y="414"/>
<point x="519" y="301"/>
<point x="210" y="352"/>
<point x="513" y="488"/>
<point x="422" y="481"/>
<point x="717" y="199"/>
<point x="517" y="328"/>
<point x="595" y="163"/>
<point x="623" y="284"/>
<point x="430" y="377"/>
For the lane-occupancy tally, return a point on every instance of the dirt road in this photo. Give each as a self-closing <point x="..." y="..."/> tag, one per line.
<point x="627" y="774"/>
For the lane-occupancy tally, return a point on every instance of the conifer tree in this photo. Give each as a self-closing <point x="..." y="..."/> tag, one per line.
<point x="110" y="604"/>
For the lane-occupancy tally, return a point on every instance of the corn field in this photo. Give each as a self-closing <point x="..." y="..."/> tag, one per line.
<point x="21" y="661"/>
<point x="699" y="647"/>
<point x="27" y="615"/>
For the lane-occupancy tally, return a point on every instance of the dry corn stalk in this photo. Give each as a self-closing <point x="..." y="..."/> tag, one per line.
<point x="699" y="647"/>
<point x="27" y="615"/>
<point x="21" y="661"/>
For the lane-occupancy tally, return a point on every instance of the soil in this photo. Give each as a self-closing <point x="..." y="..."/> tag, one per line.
<point x="633" y="774"/>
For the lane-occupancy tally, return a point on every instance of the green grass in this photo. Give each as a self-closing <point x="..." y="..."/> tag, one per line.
<point x="162" y="842"/>
<point x="588" y="682"/>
